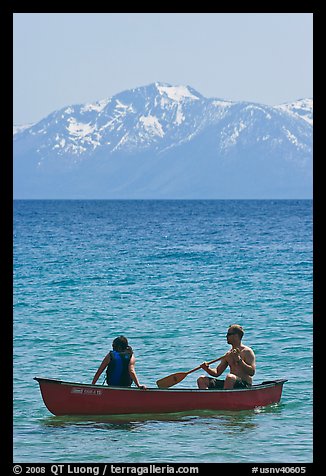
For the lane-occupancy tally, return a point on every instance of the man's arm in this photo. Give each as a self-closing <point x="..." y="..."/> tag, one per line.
<point x="215" y="372"/>
<point x="248" y="364"/>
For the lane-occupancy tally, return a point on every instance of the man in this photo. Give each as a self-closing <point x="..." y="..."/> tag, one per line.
<point x="240" y="359"/>
<point x="120" y="365"/>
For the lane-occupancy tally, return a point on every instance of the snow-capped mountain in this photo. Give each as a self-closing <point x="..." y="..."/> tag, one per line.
<point x="163" y="141"/>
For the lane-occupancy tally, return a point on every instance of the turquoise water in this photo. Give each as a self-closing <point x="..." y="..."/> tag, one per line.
<point x="171" y="276"/>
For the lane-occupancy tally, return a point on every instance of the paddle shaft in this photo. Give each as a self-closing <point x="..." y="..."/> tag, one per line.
<point x="173" y="379"/>
<point x="208" y="363"/>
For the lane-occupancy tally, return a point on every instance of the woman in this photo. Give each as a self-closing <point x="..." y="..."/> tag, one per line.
<point x="120" y="365"/>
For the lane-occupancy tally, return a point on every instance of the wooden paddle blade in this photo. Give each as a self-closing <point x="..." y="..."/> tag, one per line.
<point x="171" y="380"/>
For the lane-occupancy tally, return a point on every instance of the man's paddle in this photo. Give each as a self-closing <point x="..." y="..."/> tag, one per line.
<point x="173" y="379"/>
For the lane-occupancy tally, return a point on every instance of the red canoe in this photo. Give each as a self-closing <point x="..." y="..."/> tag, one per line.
<point x="67" y="398"/>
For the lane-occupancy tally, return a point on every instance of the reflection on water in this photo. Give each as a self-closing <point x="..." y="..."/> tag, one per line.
<point x="231" y="420"/>
<point x="275" y="408"/>
<point x="94" y="422"/>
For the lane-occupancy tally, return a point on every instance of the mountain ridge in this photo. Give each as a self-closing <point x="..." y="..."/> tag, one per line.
<point x="118" y="141"/>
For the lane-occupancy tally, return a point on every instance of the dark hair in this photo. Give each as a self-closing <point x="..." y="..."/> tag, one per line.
<point x="238" y="329"/>
<point x="120" y="344"/>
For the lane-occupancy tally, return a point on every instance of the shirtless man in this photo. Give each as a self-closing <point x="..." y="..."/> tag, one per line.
<point x="240" y="359"/>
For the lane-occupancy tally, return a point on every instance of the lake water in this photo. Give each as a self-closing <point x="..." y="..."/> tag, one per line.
<point x="171" y="276"/>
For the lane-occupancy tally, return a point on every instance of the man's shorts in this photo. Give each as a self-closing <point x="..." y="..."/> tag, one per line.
<point x="216" y="384"/>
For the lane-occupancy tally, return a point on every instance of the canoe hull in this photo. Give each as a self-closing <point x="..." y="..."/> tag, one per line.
<point x="67" y="398"/>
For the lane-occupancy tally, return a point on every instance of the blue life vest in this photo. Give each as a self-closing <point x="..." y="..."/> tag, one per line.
<point x="117" y="372"/>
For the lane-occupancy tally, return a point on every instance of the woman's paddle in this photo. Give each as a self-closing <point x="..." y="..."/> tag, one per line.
<point x="173" y="379"/>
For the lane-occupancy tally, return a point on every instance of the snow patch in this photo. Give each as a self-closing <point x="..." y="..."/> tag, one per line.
<point x="236" y="132"/>
<point x="255" y="107"/>
<point x="219" y="103"/>
<point x="79" y="129"/>
<point x="302" y="108"/>
<point x="125" y="107"/>
<point x="60" y="143"/>
<point x="20" y="127"/>
<point x="152" y="125"/>
<point x="176" y="93"/>
<point x="230" y="138"/>
<point x="179" y="116"/>
<point x="97" y="106"/>
<point x="292" y="138"/>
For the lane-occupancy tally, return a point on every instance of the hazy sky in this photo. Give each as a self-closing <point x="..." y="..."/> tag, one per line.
<point x="69" y="58"/>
